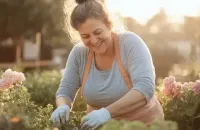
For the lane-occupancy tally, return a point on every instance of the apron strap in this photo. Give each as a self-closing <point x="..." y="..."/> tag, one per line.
<point x="86" y="71"/>
<point x="125" y="75"/>
<point x="117" y="54"/>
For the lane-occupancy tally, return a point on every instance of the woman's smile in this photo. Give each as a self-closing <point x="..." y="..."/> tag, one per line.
<point x="99" y="44"/>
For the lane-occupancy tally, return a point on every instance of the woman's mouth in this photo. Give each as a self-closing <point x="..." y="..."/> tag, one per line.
<point x="99" y="44"/>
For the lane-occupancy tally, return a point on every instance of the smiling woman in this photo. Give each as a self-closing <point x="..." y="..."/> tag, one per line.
<point x="113" y="70"/>
<point x="117" y="23"/>
<point x="95" y="35"/>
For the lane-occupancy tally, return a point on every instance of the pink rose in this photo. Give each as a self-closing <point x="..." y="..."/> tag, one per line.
<point x="9" y="78"/>
<point x="171" y="87"/>
<point x="196" y="87"/>
<point x="4" y="84"/>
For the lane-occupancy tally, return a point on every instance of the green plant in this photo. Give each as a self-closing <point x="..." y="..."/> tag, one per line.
<point x="16" y="102"/>
<point x="43" y="86"/>
<point x="136" y="125"/>
<point x="180" y="101"/>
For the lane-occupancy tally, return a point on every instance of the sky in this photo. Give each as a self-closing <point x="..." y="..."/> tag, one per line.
<point x="142" y="10"/>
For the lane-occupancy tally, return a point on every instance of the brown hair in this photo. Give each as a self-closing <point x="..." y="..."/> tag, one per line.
<point x="77" y="14"/>
<point x="89" y="9"/>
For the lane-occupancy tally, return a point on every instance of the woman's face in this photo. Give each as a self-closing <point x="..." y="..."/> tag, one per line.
<point x="96" y="35"/>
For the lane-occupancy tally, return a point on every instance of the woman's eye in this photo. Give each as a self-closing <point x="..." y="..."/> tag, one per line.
<point x="85" y="37"/>
<point x="97" y="33"/>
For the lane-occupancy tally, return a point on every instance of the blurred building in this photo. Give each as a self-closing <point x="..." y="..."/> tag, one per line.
<point x="32" y="55"/>
<point x="184" y="48"/>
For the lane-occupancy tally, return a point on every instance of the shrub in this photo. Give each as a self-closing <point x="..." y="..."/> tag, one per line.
<point x="180" y="101"/>
<point x="19" y="112"/>
<point x="125" y="125"/>
<point x="43" y="86"/>
<point x="16" y="107"/>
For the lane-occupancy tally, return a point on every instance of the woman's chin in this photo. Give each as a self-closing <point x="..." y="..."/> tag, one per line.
<point x="100" y="50"/>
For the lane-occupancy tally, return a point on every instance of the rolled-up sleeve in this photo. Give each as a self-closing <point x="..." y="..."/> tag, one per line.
<point x="140" y="65"/>
<point x="70" y="82"/>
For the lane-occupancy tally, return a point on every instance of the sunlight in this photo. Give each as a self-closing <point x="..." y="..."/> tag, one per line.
<point x="142" y="10"/>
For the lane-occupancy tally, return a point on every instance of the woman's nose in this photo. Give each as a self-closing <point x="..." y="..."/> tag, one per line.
<point x="93" y="40"/>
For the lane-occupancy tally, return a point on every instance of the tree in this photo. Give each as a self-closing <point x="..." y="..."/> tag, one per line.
<point x="133" y="26"/>
<point x="158" y="23"/>
<point x="22" y="16"/>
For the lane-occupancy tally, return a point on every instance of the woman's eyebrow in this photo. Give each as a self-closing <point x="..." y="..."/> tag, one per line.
<point x="98" y="29"/>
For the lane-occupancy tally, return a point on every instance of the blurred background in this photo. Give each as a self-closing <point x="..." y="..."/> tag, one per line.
<point x="35" y="40"/>
<point x="33" y="34"/>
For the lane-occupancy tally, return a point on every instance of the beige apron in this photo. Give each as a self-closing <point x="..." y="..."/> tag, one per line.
<point x="147" y="113"/>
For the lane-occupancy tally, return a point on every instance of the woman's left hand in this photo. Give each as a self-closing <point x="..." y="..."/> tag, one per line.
<point x="95" y="119"/>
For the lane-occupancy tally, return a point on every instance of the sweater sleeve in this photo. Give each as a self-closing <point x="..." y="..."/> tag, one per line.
<point x="70" y="82"/>
<point x="140" y="65"/>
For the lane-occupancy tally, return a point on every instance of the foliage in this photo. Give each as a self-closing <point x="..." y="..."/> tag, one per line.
<point x="19" y="112"/>
<point x="18" y="17"/>
<point x="43" y="84"/>
<point x="125" y="125"/>
<point x="180" y="101"/>
<point x="16" y="103"/>
<point x="79" y="104"/>
<point x="122" y="125"/>
<point x="27" y="17"/>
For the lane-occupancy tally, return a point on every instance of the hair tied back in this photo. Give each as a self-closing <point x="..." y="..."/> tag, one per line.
<point x="81" y="1"/>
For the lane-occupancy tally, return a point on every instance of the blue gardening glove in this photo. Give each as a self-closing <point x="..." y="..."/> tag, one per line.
<point x="95" y="119"/>
<point x="61" y="115"/>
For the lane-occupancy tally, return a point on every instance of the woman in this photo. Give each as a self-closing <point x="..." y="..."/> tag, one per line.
<point x="115" y="70"/>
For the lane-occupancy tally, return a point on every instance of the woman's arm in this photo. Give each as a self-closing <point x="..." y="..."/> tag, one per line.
<point x="70" y="82"/>
<point x="132" y="101"/>
<point x="141" y="71"/>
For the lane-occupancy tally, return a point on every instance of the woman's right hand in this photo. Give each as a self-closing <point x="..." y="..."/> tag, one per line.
<point x="61" y="114"/>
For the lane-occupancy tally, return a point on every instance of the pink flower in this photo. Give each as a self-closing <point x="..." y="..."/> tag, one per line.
<point x="185" y="85"/>
<point x="4" y="84"/>
<point x="196" y="87"/>
<point x="169" y="80"/>
<point x="169" y="84"/>
<point x="177" y="90"/>
<point x="13" y="75"/>
<point x="171" y="87"/>
<point x="10" y="77"/>
<point x="168" y="90"/>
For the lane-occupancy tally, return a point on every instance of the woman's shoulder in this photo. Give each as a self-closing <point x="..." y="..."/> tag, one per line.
<point x="129" y="40"/>
<point x="79" y="52"/>
<point x="128" y="36"/>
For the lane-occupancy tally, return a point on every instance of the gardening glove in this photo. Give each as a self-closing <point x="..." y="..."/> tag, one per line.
<point x="95" y="119"/>
<point x="61" y="114"/>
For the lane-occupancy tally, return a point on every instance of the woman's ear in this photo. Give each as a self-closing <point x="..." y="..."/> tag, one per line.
<point x="109" y="27"/>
